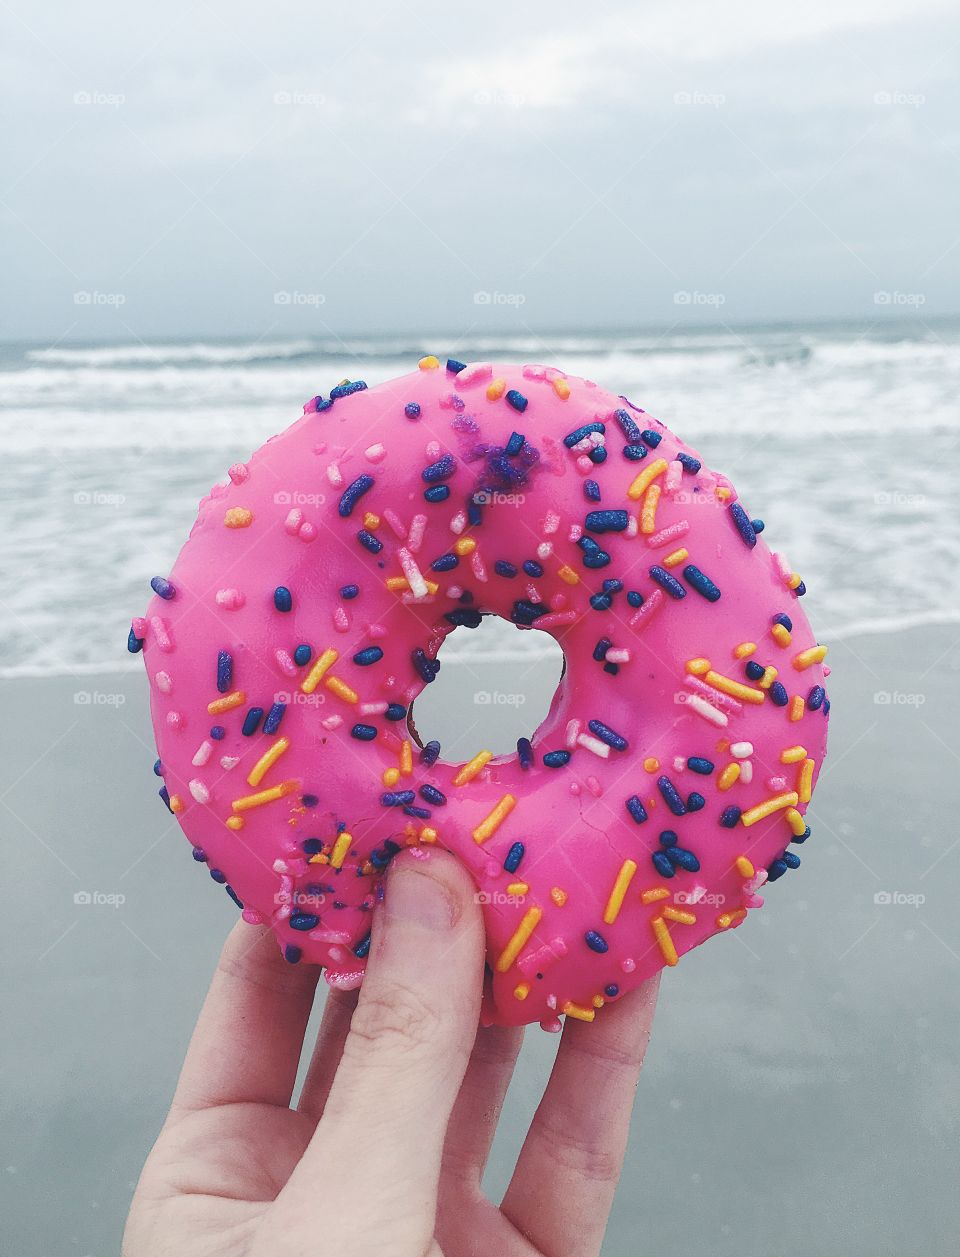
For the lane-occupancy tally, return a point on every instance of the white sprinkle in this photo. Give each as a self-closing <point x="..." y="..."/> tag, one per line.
<point x="433" y="451"/>
<point x="593" y="744"/>
<point x="746" y="772"/>
<point x="376" y="453"/>
<point x="741" y="750"/>
<point x="332" y="722"/>
<point x="293" y="521"/>
<point x="418" y="586"/>
<point x="229" y="761"/>
<point x="418" y="526"/>
<point x="705" y="709"/>
<point x="544" y="549"/>
<point x="459" y="522"/>
<point x="164" y="682"/>
<point x="334" y="475"/>
<point x="372" y="709"/>
<point x="617" y="655"/>
<point x="204" y="751"/>
<point x="551" y="523"/>
<point x="479" y="568"/>
<point x="199" y="791"/>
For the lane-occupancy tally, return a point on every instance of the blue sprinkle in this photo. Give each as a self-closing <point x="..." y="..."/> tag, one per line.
<point x="282" y="598"/>
<point x="652" y="438"/>
<point x="575" y="437"/>
<point x="596" y="942"/>
<point x="464" y="617"/>
<point x="432" y="795"/>
<point x="697" y="764"/>
<point x="600" y="602"/>
<point x="224" y="671"/>
<point x="429" y="754"/>
<point x="157" y="768"/>
<point x="689" y="463"/>
<point x="395" y="711"/>
<point x="636" y="809"/>
<point x="608" y="735"/>
<point x="353" y="493"/>
<point x="516" y="400"/>
<point x="303" y="921"/>
<point x="412" y="410"/>
<point x="219" y="877"/>
<point x="791" y="859"/>
<point x="815" y="698"/>
<point x="515" y="444"/>
<point x="662" y="864"/>
<point x="634" y="453"/>
<point x="758" y="525"/>
<point x="778" y="695"/>
<point x="437" y="493"/>
<point x="613" y="585"/>
<point x="233" y="895"/>
<point x="344" y="390"/>
<point x="503" y="568"/>
<point x="729" y="817"/>
<point x="475" y="509"/>
<point x="611" y="991"/>
<point x="754" y="670"/>
<point x="587" y="544"/>
<point x="742" y="521"/>
<point x="525" y="612"/>
<point x="274" y="716"/>
<point x="601" y="648"/>
<point x="199" y="855"/>
<point x="667" y="582"/>
<point x="397" y="798"/>
<point x="363" y="947"/>
<point x="349" y="591"/>
<point x="292" y="954"/>
<point x="525" y="753"/>
<point x="668" y="838"/>
<point x="532" y="568"/>
<point x="363" y="733"/>
<point x="556" y="759"/>
<point x="370" y="654"/>
<point x="310" y="800"/>
<point x="160" y="585"/>
<point x="784" y="620"/>
<point x="627" y="426"/>
<point x="514" y="856"/>
<point x="134" y="643"/>
<point x="442" y="469"/>
<point x="671" y="796"/>
<point x="695" y="802"/>
<point x="591" y="490"/>
<point x="421" y="813"/>
<point x="598" y="454"/>
<point x="596" y="558"/>
<point x="634" y="598"/>
<point x="455" y="367"/>
<point x="826" y="707"/>
<point x="606" y="521"/>
<point x="612" y="668"/>
<point x="218" y="733"/>
<point x="445" y="563"/>
<point x="302" y="654"/>
<point x="369" y="541"/>
<point x="426" y="668"/>
<point x="164" y="794"/>
<point x="776" y="870"/>
<point x="801" y="837"/>
<point x="800" y="590"/>
<point x="685" y="860"/>
<point x="701" y="583"/>
<point x="251" y="721"/>
<point x="312" y="846"/>
<point x="324" y="403"/>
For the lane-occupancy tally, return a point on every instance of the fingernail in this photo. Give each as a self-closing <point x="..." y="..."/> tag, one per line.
<point x="414" y="896"/>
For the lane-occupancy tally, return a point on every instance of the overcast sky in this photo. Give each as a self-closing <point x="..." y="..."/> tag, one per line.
<point x="223" y="169"/>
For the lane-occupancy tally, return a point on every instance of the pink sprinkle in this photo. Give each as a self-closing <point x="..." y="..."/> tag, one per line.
<point x="533" y="372"/>
<point x="642" y="616"/>
<point x="418" y="526"/>
<point x="341" y="619"/>
<point x="162" y="635"/>
<point x="575" y="789"/>
<point x="533" y="593"/>
<point x="229" y="761"/>
<point x="376" y="630"/>
<point x="139" y="626"/>
<point x="459" y="522"/>
<point x="782" y="566"/>
<point x="575" y="533"/>
<point x="175" y="719"/>
<point x="230" y="599"/>
<point x="372" y="709"/>
<point x="474" y="373"/>
<point x="493" y="869"/>
<point x="376" y="453"/>
<point x="594" y="786"/>
<point x="334" y="475"/>
<point x="777" y="783"/>
<point x="573" y="732"/>
<point x="584" y="465"/>
<point x="433" y="451"/>
<point x="204" y="751"/>
<point x="307" y="532"/>
<point x="164" y="682"/>
<point x="285" y="663"/>
<point x="395" y="522"/>
<point x="539" y="961"/>
<point x="454" y="591"/>
<point x="553" y="619"/>
<point x="551" y="1025"/>
<point x="751" y="901"/>
<point x="617" y="655"/>
<point x="199" y="791"/>
<point x="551" y="523"/>
<point x="293" y="521"/>
<point x="679" y="763"/>
<point x="252" y="916"/>
<point x="628" y="964"/>
<point x="239" y="472"/>
<point x="479" y="568"/>
<point x="558" y="601"/>
<point x="673" y="477"/>
<point x="667" y="535"/>
<point x="332" y="722"/>
<point x="450" y="401"/>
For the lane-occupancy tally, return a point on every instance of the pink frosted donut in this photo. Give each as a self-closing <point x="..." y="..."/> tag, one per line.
<point x="670" y="778"/>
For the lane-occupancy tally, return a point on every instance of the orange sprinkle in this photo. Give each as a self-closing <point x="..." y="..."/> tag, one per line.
<point x="266" y="761"/>
<point x="235" y="822"/>
<point x="661" y="932"/>
<point x="805" y="784"/>
<point x="646" y="477"/>
<point x="406" y="758"/>
<point x="746" y="693"/>
<point x="697" y="667"/>
<point x="651" y="765"/>
<point x="342" y="690"/>
<point x="729" y="776"/>
<point x="227" y="703"/>
<point x="472" y="767"/>
<point x="561" y="388"/>
<point x="676" y="557"/>
<point x="679" y="915"/>
<point x="521" y="990"/>
<point x="781" y="635"/>
<point x="744" y="650"/>
<point x="176" y="804"/>
<point x="796" y="707"/>
<point x="371" y="521"/>
<point x="519" y="939"/>
<point x="578" y="1012"/>
<point x="816" y="654"/>
<point x="496" y="389"/>
<point x="653" y="893"/>
<point x="568" y="574"/>
<point x="558" y="896"/>
<point x="429" y="363"/>
<point x="745" y="866"/>
<point x="648" y="512"/>
<point x="238" y="517"/>
<point x="464" y="545"/>
<point x="391" y="776"/>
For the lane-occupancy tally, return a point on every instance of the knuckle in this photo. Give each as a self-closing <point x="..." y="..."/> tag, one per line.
<point x="585" y="1157"/>
<point x="397" y="1020"/>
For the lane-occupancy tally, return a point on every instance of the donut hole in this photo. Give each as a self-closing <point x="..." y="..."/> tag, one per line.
<point x="495" y="685"/>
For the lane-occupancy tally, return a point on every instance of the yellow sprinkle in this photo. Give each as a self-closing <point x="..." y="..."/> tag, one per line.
<point x="517" y="888"/>
<point x="815" y="654"/>
<point x="795" y="821"/>
<point x="266" y="761"/>
<point x="238" y="517"/>
<point x="793" y="755"/>
<point x="650" y="765"/>
<point x="400" y="584"/>
<point x="248" y="801"/>
<point x="661" y="932"/>
<point x="794" y="580"/>
<point x="561" y="388"/>
<point x="697" y="667"/>
<point x="428" y="834"/>
<point x="646" y="477"/>
<point x="176" y="804"/>
<point x="722" y="493"/>
<point x="746" y="693"/>
<point x="429" y="363"/>
<point x="227" y="703"/>
<point x="653" y="894"/>
<point x="464" y="545"/>
<point x="391" y="776"/>
<point x="781" y="635"/>
<point x="598" y="1001"/>
<point x="744" y="650"/>
<point x="492" y="823"/>
<point x="521" y="990"/>
<point x="648" y="512"/>
<point x="472" y="767"/>
<point x="319" y="670"/>
<point x="676" y="557"/>
<point x="745" y="866"/>
<point x="406" y="758"/>
<point x="578" y="1011"/>
<point x="768" y="807"/>
<point x="805" y="784"/>
<point x="558" y="896"/>
<point x="796" y="707"/>
<point x="235" y="822"/>
<point x="371" y="521"/>
<point x="726" y="919"/>
<point x="496" y="389"/>
<point x="530" y="921"/>
<point x="679" y="915"/>
<point x="768" y="678"/>
<point x="340" y="849"/>
<point x="729" y="775"/>
<point x="620" y="888"/>
<point x="567" y="574"/>
<point x="342" y="690"/>
<point x="319" y="858"/>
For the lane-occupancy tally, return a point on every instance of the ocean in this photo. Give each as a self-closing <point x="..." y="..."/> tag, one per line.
<point x="837" y="436"/>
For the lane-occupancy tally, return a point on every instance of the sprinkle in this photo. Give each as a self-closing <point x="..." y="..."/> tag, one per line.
<point x="371" y="521"/>
<point x="679" y="915"/>
<point x="266" y="761"/>
<point x="768" y="678"/>
<point x="412" y="410"/>
<point x="667" y="582"/>
<point x="618" y="893"/>
<point x="472" y="767"/>
<point x="496" y="389"/>
<point x="454" y="367"/>
<point x="342" y="691"/>
<point x="319" y="670"/>
<point x="346" y="388"/>
<point x="815" y="698"/>
<point x="728" y="777"/>
<point x="521" y="990"/>
<point x="805" y="658"/>
<point x="369" y="541"/>
<point x="651" y="764"/>
<point x="578" y="1012"/>
<point x="516" y="400"/>
<point x="606" y="521"/>
<point x="397" y="798"/>
<point x="406" y="764"/>
<point x="781" y="635"/>
<point x="429" y="754"/>
<point x="558" y="896"/>
<point x="796" y="707"/>
<point x="744" y="650"/>
<point x="594" y="745"/>
<point x="568" y="575"/>
<point x="529" y="922"/>
<point x="561" y="388"/>
<point x="741" y="750"/>
<point x="464" y="546"/>
<point x="429" y="363"/>
<point x="238" y="517"/>
<point x="768" y="807"/>
<point x="645" y="478"/>
<point x="793" y="755"/>
<point x="705" y="709"/>
<point x="608" y="735"/>
<point x="671" y="796"/>
<point x="596" y="942"/>
<point x="227" y="703"/>
<point x="648" y="512"/>
<point x="744" y="866"/>
<point x="746" y="693"/>
<point x="369" y="655"/>
<point x="742" y="522"/>
<point x="353" y="493"/>
<point x="513" y="857"/>
<point x="364" y="733"/>
<point x="251" y="721"/>
<point x="676" y="557"/>
<point x="701" y="583"/>
<point x="698" y="764"/>
<point x="340" y="849"/>
<point x="805" y="783"/>
<point x="249" y="801"/>
<point x="661" y="933"/>
<point x="636" y="809"/>
<point x="556" y="759"/>
<point x="438" y="493"/>
<point x="729" y="817"/>
<point x="726" y="919"/>
<point x="796" y="822"/>
<point x="778" y="695"/>
<point x="653" y="894"/>
<point x="580" y="434"/>
<point x="163" y="588"/>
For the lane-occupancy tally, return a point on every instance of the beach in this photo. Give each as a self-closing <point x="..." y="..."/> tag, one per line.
<point x="800" y="1090"/>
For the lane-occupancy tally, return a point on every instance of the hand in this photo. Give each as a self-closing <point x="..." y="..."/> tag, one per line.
<point x="385" y="1149"/>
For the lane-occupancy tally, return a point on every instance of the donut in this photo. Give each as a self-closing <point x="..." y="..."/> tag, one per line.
<point x="668" y="783"/>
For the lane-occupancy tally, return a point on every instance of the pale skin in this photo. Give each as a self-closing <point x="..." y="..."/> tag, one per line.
<point x="384" y="1150"/>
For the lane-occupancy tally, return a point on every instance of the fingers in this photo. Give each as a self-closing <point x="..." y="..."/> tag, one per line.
<point x="408" y="1045"/>
<point x="334" y="1027"/>
<point x="249" y="1035"/>
<point x="477" y="1110"/>
<point x="562" y="1189"/>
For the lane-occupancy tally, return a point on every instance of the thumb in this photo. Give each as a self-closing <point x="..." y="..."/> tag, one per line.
<point x="411" y="1034"/>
